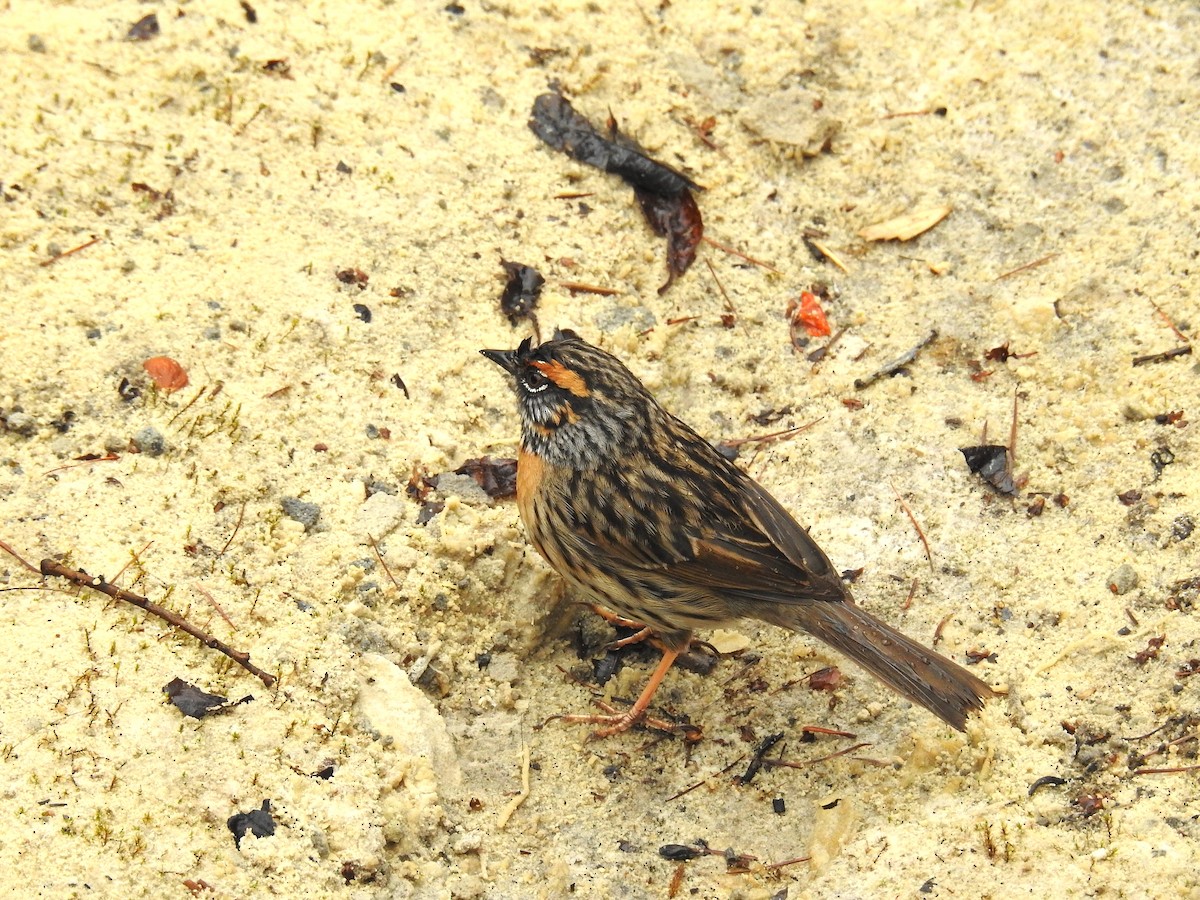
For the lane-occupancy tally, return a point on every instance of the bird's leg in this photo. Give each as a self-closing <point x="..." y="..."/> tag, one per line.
<point x="617" y="722"/>
<point x="641" y="632"/>
<point x="612" y="618"/>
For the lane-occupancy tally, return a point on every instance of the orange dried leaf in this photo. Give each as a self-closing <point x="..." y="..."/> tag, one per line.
<point x="169" y="375"/>
<point x="808" y="313"/>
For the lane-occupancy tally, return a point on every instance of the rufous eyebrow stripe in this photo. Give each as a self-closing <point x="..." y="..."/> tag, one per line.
<point x="567" y="379"/>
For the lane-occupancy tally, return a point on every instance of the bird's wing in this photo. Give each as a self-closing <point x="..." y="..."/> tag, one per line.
<point x="758" y="552"/>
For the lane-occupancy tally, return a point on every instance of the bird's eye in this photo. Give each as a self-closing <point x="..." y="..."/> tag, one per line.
<point x="534" y="380"/>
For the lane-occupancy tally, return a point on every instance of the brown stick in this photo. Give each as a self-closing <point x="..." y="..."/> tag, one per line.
<point x="574" y="286"/>
<point x="382" y="562"/>
<point x="17" y="556"/>
<point x="789" y="764"/>
<point x="83" y="579"/>
<point x="1170" y="771"/>
<point x="730" y="250"/>
<point x="920" y="531"/>
<point x="772" y="437"/>
<point x="53" y="259"/>
<point x="1026" y="267"/>
<point x="1185" y="350"/>
<point x="236" y="528"/>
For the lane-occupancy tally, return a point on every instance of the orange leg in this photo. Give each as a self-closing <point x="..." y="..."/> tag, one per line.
<point x="612" y="618"/>
<point x="618" y="722"/>
<point x="643" y="633"/>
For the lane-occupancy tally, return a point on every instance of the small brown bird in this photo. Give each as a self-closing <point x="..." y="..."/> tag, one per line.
<point x="647" y="519"/>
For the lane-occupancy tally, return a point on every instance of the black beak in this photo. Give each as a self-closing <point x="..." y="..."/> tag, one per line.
<point x="505" y="359"/>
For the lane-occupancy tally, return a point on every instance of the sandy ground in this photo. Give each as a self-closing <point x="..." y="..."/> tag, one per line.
<point x="225" y="191"/>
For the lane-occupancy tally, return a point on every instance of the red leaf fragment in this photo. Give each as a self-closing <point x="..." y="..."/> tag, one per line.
<point x="827" y="679"/>
<point x="169" y="375"/>
<point x="1153" y="646"/>
<point x="808" y="313"/>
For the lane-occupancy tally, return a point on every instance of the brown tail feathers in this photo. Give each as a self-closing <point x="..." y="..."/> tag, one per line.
<point x="943" y="687"/>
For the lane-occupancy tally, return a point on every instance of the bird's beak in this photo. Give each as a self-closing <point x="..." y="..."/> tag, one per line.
<point x="505" y="359"/>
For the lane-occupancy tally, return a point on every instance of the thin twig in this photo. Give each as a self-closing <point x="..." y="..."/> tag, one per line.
<point x="905" y="115"/>
<point x="749" y="259"/>
<point x="588" y="288"/>
<point x="704" y="781"/>
<point x="1185" y="350"/>
<point x="1026" y="267"/>
<point x="1170" y="324"/>
<point x="215" y="605"/>
<point x="937" y="632"/>
<point x="787" y="862"/>
<point x="53" y="259"/>
<point x="832" y="732"/>
<point x="236" y="528"/>
<point x="133" y="558"/>
<point x="898" y="363"/>
<point x="772" y="437"/>
<point x="83" y="579"/>
<point x="1170" y="771"/>
<point x="1012" y="434"/>
<point x="790" y="764"/>
<point x="382" y="562"/>
<point x="108" y="457"/>
<point x="729" y="307"/>
<point x="18" y="557"/>
<point x="917" y="525"/>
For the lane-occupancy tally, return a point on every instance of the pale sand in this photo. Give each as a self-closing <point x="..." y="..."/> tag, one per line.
<point x="1069" y="133"/>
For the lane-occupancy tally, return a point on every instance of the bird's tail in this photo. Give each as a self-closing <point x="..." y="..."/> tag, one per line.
<point x="943" y="687"/>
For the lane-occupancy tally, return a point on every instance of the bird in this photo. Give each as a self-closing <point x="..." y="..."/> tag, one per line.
<point x="647" y="519"/>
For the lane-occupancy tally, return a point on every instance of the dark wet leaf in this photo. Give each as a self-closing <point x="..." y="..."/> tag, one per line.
<point x="677" y="218"/>
<point x="521" y="292"/>
<point x="429" y="509"/>
<point x="1046" y="781"/>
<point x="143" y="29"/>
<point x="496" y="475"/>
<point x="257" y="822"/>
<point x="991" y="463"/>
<point x="679" y="852"/>
<point x="665" y="195"/>
<point x="557" y="123"/>
<point x="191" y="701"/>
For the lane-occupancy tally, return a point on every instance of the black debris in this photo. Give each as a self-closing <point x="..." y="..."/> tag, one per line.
<point x="521" y="293"/>
<point x="191" y="701"/>
<point x="680" y="852"/>
<point x="496" y="475"/>
<point x="664" y="194"/>
<point x="143" y="29"/>
<point x="557" y="123"/>
<point x="257" y="822"/>
<point x="1046" y="781"/>
<point x="991" y="463"/>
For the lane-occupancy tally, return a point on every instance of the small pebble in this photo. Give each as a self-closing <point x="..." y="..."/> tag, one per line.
<point x="1123" y="580"/>
<point x="305" y="513"/>
<point x="150" y="441"/>
<point x="20" y="422"/>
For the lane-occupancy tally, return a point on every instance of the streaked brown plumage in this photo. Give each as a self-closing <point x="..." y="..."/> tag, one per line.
<point x="645" y="517"/>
